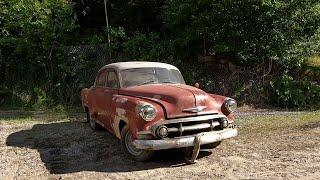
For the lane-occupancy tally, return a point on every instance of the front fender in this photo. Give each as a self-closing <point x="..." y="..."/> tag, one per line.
<point x="220" y="106"/>
<point x="126" y="111"/>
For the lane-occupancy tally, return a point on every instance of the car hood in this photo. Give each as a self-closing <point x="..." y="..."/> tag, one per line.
<point x="178" y="100"/>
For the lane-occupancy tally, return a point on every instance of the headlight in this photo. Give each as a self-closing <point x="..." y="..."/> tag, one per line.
<point x="230" y="105"/>
<point x="146" y="111"/>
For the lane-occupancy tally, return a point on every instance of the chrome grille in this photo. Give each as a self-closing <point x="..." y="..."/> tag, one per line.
<point x="193" y="125"/>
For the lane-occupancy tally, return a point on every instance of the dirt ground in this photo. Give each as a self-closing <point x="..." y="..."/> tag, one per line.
<point x="270" y="145"/>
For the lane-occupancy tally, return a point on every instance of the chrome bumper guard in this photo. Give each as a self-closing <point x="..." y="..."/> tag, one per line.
<point x="186" y="141"/>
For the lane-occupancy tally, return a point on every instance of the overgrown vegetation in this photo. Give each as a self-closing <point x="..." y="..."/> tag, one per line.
<point x="288" y="92"/>
<point x="30" y="30"/>
<point x="260" y="51"/>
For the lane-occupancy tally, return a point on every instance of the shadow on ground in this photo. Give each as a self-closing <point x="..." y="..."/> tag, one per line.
<point x="14" y="114"/>
<point x="67" y="147"/>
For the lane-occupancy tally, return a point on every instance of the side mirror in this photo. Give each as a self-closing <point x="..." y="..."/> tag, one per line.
<point x="197" y="85"/>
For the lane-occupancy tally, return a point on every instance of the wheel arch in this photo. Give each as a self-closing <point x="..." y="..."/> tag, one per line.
<point x="86" y="109"/>
<point x="118" y="126"/>
<point x="122" y="124"/>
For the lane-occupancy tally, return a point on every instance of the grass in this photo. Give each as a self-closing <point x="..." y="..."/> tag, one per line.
<point x="18" y="116"/>
<point x="248" y="123"/>
<point x="274" y="122"/>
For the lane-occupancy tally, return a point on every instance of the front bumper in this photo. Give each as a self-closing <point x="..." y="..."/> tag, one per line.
<point x="187" y="141"/>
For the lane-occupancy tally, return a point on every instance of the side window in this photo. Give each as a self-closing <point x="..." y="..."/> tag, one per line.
<point x="112" y="80"/>
<point x="101" y="80"/>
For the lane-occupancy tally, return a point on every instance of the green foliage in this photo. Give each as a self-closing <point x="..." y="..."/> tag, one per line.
<point x="76" y="68"/>
<point x="96" y="39"/>
<point x="42" y="64"/>
<point x="30" y="30"/>
<point x="287" y="92"/>
<point x="20" y="98"/>
<point x="117" y="37"/>
<point x="252" y="31"/>
<point x="314" y="61"/>
<point x="148" y="47"/>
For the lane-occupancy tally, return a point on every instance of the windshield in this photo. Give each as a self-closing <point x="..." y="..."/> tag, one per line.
<point x="141" y="76"/>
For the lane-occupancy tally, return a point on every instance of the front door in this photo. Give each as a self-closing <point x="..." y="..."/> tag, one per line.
<point x="99" y="103"/>
<point x="111" y="89"/>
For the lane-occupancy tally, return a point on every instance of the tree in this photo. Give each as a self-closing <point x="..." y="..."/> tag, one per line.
<point x="30" y="30"/>
<point x="251" y="30"/>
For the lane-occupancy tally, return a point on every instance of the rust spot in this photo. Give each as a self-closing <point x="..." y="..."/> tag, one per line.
<point x="120" y="112"/>
<point x="157" y="97"/>
<point x="119" y="99"/>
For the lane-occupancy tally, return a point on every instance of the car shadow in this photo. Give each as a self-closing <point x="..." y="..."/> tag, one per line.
<point x="67" y="147"/>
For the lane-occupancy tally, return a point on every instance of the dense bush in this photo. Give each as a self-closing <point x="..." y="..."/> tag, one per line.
<point x="251" y="31"/>
<point x="50" y="49"/>
<point x="30" y="31"/>
<point x="287" y="92"/>
<point x="148" y="47"/>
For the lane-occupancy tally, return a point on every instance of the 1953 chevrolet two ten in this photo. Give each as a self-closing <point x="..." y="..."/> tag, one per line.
<point x="149" y="107"/>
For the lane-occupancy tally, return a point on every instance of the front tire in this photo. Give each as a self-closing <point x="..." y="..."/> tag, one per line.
<point x="130" y="149"/>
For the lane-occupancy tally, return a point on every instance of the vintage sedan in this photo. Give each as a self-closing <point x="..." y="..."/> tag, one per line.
<point x="148" y="106"/>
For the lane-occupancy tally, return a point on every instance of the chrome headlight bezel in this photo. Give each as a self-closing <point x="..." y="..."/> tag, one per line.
<point x="230" y="105"/>
<point x="146" y="111"/>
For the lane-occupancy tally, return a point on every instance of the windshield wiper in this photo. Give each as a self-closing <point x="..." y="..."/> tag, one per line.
<point x="168" y="82"/>
<point x="146" y="82"/>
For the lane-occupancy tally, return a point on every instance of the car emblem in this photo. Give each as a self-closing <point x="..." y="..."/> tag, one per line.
<point x="195" y="109"/>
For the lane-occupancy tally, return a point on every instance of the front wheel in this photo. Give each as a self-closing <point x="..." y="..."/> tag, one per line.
<point x="130" y="149"/>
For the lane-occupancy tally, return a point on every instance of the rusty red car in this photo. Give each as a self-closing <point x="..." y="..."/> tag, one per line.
<point x="148" y="106"/>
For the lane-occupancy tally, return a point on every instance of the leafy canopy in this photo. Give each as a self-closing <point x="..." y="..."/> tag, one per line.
<point x="251" y="30"/>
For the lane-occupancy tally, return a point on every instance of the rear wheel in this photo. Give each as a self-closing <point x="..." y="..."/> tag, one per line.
<point x="93" y="124"/>
<point x="130" y="149"/>
<point x="87" y="116"/>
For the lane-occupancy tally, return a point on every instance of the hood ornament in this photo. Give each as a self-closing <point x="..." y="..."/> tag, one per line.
<point x="195" y="109"/>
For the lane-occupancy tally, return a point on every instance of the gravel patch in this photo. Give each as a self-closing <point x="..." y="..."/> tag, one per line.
<point x="71" y="150"/>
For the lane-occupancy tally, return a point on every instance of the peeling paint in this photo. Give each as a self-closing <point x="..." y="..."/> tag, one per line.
<point x="157" y="97"/>
<point x="121" y="100"/>
<point x="120" y="115"/>
<point x="121" y="112"/>
<point x="174" y="103"/>
<point x="118" y="99"/>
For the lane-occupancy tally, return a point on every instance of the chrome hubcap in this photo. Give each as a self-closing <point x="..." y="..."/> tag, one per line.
<point x="130" y="147"/>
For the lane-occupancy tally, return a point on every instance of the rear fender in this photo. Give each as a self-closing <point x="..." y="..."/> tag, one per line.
<point x="84" y="98"/>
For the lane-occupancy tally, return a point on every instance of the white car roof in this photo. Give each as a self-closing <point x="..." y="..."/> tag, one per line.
<point x="138" y="64"/>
